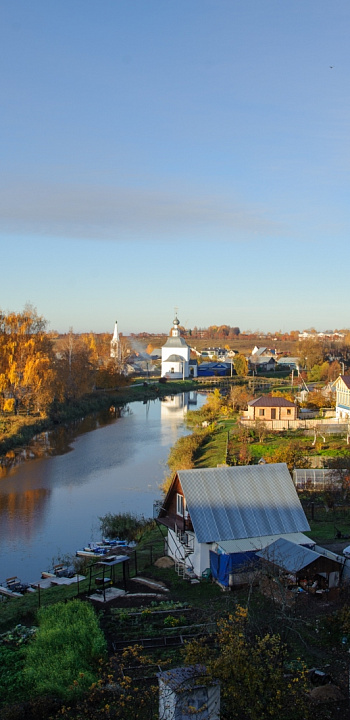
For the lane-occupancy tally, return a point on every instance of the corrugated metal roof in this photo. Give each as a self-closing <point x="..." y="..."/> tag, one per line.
<point x="288" y="555"/>
<point x="244" y="545"/>
<point x="229" y="503"/>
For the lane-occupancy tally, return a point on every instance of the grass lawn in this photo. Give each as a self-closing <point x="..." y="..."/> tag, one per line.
<point x="213" y="452"/>
<point x="322" y="531"/>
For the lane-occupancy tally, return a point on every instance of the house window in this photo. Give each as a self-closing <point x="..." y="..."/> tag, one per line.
<point x="172" y="370"/>
<point x="261" y="412"/>
<point x="179" y="504"/>
<point x="289" y="412"/>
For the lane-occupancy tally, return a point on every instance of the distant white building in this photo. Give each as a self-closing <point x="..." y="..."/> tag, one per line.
<point x="115" y="351"/>
<point x="176" y="356"/>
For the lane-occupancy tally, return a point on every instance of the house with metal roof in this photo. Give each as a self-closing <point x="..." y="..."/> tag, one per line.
<point x="266" y="407"/>
<point x="219" y="518"/>
<point x="262" y="363"/>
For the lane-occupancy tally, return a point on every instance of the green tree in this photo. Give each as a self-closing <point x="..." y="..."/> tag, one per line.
<point x="318" y="372"/>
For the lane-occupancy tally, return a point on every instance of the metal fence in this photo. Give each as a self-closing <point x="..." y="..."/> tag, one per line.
<point x="338" y="514"/>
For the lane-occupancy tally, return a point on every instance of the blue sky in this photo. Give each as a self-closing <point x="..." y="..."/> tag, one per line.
<point x="189" y="153"/>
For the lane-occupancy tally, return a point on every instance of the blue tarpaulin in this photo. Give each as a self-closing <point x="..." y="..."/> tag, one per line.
<point x="223" y="565"/>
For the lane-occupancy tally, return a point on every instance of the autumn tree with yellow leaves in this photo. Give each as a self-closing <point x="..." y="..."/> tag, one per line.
<point x="75" y="368"/>
<point x="39" y="374"/>
<point x="252" y="669"/>
<point x="27" y="375"/>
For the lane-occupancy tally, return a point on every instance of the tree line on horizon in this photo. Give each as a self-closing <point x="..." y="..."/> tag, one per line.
<point x="230" y="333"/>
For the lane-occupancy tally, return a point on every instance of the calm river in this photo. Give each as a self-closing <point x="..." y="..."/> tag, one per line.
<point x="50" y="507"/>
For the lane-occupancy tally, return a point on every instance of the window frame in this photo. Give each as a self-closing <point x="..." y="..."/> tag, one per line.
<point x="180" y="505"/>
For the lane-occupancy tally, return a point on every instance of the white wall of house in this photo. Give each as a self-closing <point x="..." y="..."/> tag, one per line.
<point x="196" y="561"/>
<point x="200" y="557"/>
<point x="342" y="413"/>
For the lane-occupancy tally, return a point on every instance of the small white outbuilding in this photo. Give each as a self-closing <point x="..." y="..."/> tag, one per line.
<point x="188" y="692"/>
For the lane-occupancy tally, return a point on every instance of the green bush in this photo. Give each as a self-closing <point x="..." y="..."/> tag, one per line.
<point x="124" y="526"/>
<point x="11" y="667"/>
<point x="63" y="658"/>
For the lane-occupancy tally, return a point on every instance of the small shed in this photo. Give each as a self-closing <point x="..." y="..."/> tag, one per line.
<point x="188" y="692"/>
<point x="301" y="566"/>
<point x="233" y="563"/>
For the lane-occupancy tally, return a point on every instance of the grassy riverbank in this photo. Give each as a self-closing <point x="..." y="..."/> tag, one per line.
<point x="17" y="431"/>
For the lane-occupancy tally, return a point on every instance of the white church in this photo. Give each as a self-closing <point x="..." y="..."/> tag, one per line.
<point x="176" y="363"/>
<point x="115" y="345"/>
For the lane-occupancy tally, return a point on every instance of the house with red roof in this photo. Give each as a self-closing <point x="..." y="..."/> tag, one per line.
<point x="271" y="408"/>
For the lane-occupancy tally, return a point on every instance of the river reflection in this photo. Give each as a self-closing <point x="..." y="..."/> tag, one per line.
<point x="51" y="506"/>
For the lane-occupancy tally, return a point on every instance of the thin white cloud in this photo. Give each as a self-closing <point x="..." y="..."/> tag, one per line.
<point x="112" y="213"/>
